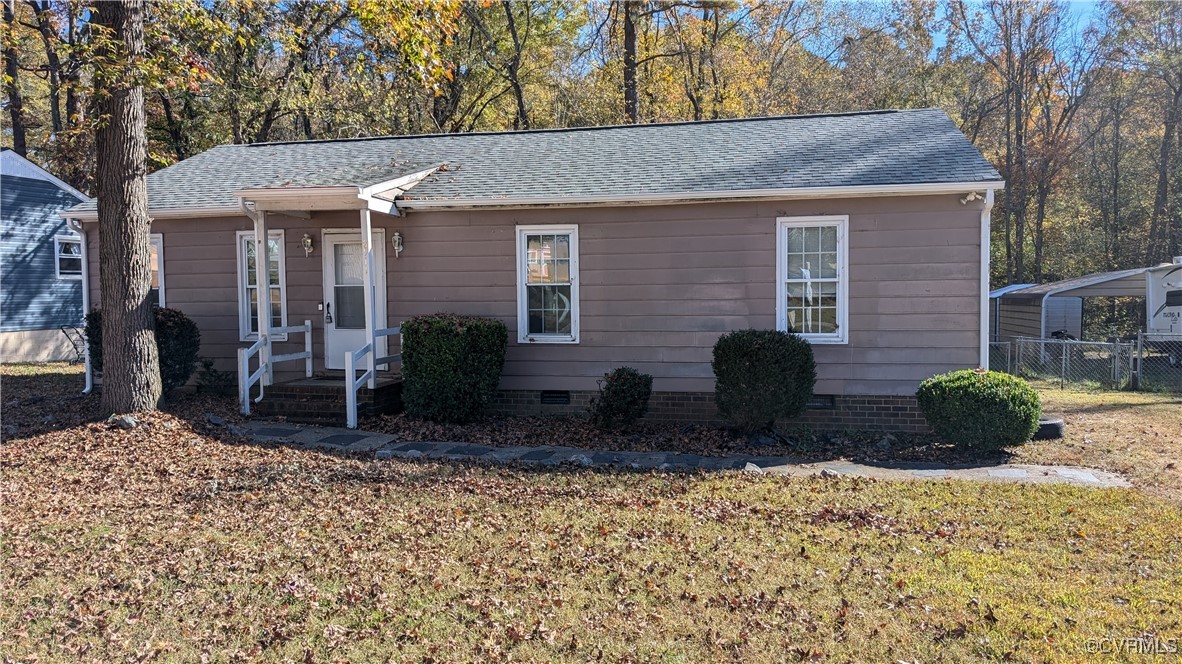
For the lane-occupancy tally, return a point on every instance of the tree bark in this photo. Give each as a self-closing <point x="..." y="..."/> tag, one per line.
<point x="630" y="12"/>
<point x="44" y="13"/>
<point x="16" y="103"/>
<point x="513" y="66"/>
<point x="131" y="368"/>
<point x="1159" y="246"/>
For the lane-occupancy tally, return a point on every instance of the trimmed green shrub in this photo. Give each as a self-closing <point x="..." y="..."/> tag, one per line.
<point x="762" y="376"/>
<point x="979" y="408"/>
<point x="622" y="399"/>
<point x="177" y="342"/>
<point x="451" y="365"/>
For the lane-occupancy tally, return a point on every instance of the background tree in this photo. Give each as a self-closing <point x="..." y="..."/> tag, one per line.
<point x="1078" y="106"/>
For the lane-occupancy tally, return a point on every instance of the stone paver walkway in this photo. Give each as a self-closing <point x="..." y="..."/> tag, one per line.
<point x="385" y="446"/>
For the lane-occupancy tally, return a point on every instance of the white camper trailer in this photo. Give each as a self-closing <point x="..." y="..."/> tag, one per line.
<point x="1163" y="299"/>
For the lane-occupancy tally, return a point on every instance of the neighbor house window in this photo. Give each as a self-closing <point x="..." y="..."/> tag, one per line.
<point x="156" y="265"/>
<point x="548" y="284"/>
<point x="248" y="286"/>
<point x="812" y="284"/>
<point x="67" y="252"/>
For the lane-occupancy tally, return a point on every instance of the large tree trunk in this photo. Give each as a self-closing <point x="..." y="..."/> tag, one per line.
<point x="16" y="104"/>
<point x="630" y="11"/>
<point x="1159" y="245"/>
<point x="131" y="368"/>
<point x="44" y="13"/>
<point x="513" y="67"/>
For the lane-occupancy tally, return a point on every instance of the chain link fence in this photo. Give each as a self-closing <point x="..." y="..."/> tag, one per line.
<point x="1150" y="362"/>
<point x="1159" y="367"/>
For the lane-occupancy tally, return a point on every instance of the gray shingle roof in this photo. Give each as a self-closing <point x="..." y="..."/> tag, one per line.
<point x="854" y="149"/>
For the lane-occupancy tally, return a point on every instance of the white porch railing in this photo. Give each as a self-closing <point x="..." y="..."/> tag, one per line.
<point x="305" y="355"/>
<point x="247" y="379"/>
<point x="267" y="361"/>
<point x="353" y="382"/>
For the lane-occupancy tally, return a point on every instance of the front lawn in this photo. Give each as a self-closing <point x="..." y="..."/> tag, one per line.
<point x="175" y="541"/>
<point x="1137" y="434"/>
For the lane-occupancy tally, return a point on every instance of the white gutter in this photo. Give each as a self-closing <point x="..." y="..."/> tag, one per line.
<point x="168" y="213"/>
<point x="282" y="193"/>
<point x="77" y="227"/>
<point x="370" y="196"/>
<point x="986" y="213"/>
<point x="698" y="196"/>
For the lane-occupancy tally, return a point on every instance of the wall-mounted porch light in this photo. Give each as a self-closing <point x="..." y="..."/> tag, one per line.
<point x="396" y="240"/>
<point x="307" y="244"/>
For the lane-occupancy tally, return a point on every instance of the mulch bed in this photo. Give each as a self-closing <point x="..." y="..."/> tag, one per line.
<point x="807" y="445"/>
<point x="37" y="404"/>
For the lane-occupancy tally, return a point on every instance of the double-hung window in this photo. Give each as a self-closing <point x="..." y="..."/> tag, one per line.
<point x="248" y="286"/>
<point x="812" y="285"/>
<point x="67" y="256"/>
<point x="156" y="265"/>
<point x="548" y="284"/>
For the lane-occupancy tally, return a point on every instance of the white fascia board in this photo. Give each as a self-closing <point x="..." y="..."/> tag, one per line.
<point x="698" y="196"/>
<point x="303" y="198"/>
<point x="280" y="193"/>
<point x="171" y="213"/>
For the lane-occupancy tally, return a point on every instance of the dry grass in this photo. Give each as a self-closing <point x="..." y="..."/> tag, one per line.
<point x="1137" y="434"/>
<point x="171" y="541"/>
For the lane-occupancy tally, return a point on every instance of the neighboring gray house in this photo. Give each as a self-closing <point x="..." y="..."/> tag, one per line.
<point x="40" y="263"/>
<point x="598" y="247"/>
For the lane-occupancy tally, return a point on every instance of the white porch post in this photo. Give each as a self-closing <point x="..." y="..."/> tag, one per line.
<point x="370" y="305"/>
<point x="263" y="280"/>
<point x="986" y="211"/>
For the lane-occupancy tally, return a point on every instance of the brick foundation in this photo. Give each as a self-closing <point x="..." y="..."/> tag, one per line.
<point x="876" y="413"/>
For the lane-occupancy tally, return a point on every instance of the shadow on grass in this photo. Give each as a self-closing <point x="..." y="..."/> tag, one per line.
<point x="1113" y="407"/>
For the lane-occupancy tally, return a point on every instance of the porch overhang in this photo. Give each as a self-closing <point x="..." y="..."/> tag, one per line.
<point x="375" y="197"/>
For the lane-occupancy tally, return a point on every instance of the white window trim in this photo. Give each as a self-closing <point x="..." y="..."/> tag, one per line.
<point x="523" y="335"/>
<point x="57" y="256"/>
<point x="841" y="223"/>
<point x="157" y="241"/>
<point x="244" y="332"/>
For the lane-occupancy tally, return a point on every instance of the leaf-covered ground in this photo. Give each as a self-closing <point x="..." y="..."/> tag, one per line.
<point x="1136" y="434"/>
<point x="168" y="542"/>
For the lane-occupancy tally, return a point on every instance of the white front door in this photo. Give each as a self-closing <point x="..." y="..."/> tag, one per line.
<point x="344" y="294"/>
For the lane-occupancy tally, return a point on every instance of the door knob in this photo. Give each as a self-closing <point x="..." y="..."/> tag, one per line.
<point x="328" y="312"/>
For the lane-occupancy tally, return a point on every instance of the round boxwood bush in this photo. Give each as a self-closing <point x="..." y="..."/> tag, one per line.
<point x="978" y="408"/>
<point x="177" y="342"/>
<point x="451" y="365"/>
<point x="622" y="399"/>
<point x="762" y="376"/>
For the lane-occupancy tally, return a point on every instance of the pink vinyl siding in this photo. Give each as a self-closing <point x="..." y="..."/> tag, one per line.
<point x="658" y="285"/>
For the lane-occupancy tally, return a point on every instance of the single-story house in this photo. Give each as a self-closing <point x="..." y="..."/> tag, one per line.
<point x="599" y="247"/>
<point x="40" y="263"/>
